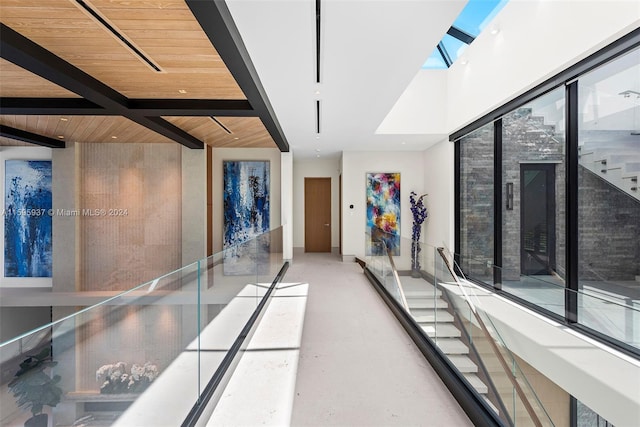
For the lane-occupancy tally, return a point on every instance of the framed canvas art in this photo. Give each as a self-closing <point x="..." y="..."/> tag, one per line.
<point x="246" y="214"/>
<point x="27" y="219"/>
<point x="383" y="213"/>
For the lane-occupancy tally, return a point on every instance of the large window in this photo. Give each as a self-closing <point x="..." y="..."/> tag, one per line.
<point x="533" y="188"/>
<point x="548" y="199"/>
<point x="476" y="203"/>
<point x="609" y="200"/>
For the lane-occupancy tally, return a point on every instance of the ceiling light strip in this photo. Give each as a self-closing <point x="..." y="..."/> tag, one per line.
<point x="221" y="125"/>
<point x="318" y="116"/>
<point x="121" y="37"/>
<point x="318" y="20"/>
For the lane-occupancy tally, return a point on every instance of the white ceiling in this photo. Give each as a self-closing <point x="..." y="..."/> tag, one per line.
<point x="370" y="52"/>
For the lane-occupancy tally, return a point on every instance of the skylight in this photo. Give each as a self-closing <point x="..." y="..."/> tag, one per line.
<point x="474" y="18"/>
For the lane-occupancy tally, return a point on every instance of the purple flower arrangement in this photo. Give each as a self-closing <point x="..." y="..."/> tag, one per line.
<point x="419" y="211"/>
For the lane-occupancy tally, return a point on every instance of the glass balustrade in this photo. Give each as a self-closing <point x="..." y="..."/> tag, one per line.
<point x="139" y="357"/>
<point x="450" y="313"/>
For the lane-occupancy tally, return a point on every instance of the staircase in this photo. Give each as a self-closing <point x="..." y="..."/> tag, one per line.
<point x="429" y="309"/>
<point x="616" y="160"/>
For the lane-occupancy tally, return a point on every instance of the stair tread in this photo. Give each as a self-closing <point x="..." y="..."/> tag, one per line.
<point x="444" y="330"/>
<point x="440" y="316"/>
<point x="424" y="305"/>
<point x="477" y="383"/>
<point x="463" y="364"/>
<point x="452" y="346"/>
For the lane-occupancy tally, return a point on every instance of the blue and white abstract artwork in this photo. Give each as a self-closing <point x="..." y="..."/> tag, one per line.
<point x="27" y="219"/>
<point x="246" y="215"/>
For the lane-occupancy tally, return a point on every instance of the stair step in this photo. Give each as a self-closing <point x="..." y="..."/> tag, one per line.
<point x="486" y="399"/>
<point x="425" y="303"/>
<point x="452" y="346"/>
<point x="477" y="383"/>
<point x="464" y="364"/>
<point x="431" y="317"/>
<point x="425" y="292"/>
<point x="442" y="330"/>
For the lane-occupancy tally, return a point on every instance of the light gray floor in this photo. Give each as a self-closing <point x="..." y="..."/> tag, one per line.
<point x="357" y="366"/>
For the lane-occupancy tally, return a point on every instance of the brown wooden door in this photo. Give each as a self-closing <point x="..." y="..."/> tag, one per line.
<point x="317" y="214"/>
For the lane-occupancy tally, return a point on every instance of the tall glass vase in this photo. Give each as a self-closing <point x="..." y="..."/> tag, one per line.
<point x="415" y="251"/>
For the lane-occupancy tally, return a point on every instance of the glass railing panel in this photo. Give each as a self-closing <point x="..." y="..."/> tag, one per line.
<point x="155" y="346"/>
<point x="495" y="371"/>
<point x="608" y="307"/>
<point x="611" y="314"/>
<point x="97" y="362"/>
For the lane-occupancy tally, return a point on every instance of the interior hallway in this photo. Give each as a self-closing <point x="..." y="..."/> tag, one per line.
<point x="351" y="364"/>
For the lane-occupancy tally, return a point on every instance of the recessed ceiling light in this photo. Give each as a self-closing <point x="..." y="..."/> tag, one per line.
<point x="494" y="30"/>
<point x="464" y="61"/>
<point x="114" y="137"/>
<point x="317" y="92"/>
<point x="64" y="119"/>
<point x="61" y="136"/>
<point x="235" y="137"/>
<point x="317" y="155"/>
<point x="182" y="91"/>
<point x="317" y="150"/>
<point x="317" y="136"/>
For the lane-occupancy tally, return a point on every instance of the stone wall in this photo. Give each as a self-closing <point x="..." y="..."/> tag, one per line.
<point x="609" y="226"/>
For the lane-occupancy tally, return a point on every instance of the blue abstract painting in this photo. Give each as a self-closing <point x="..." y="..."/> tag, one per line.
<point x="246" y="214"/>
<point x="383" y="213"/>
<point x="27" y="221"/>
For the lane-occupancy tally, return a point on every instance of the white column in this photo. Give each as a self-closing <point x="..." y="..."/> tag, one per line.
<point x="286" y="185"/>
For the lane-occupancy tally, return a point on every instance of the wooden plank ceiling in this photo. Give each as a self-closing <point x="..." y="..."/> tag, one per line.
<point x="165" y="31"/>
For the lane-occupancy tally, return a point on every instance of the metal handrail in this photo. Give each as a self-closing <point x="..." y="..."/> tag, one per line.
<point x="397" y="278"/>
<point x="494" y="346"/>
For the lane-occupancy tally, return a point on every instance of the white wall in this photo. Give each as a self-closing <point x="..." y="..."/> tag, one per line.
<point x="222" y="154"/>
<point x="355" y="166"/>
<point x="534" y="43"/>
<point x="537" y="39"/>
<point x="20" y="153"/>
<point x="439" y="185"/>
<point x="286" y="173"/>
<point x="314" y="168"/>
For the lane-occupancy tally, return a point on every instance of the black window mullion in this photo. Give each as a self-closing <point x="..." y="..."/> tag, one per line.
<point x="571" y="221"/>
<point x="457" y="203"/>
<point x="497" y="204"/>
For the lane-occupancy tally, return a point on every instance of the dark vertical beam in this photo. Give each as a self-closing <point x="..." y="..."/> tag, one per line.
<point x="31" y="138"/>
<point x="457" y="159"/>
<point x="572" y="283"/>
<point x="497" y="204"/>
<point x="318" y="42"/>
<point x="216" y="21"/>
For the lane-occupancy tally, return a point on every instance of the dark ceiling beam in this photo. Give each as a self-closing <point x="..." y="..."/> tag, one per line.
<point x="193" y="107"/>
<point x="215" y="19"/>
<point x="32" y="57"/>
<point x="463" y="36"/>
<point x="31" y="138"/>
<point x="51" y="107"/>
<point x="144" y="107"/>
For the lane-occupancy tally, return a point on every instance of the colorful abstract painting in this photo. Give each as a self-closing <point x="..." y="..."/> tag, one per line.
<point x="27" y="219"/>
<point x="246" y="214"/>
<point x="383" y="213"/>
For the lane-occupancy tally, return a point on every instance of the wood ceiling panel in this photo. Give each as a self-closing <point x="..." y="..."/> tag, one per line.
<point x="246" y="132"/>
<point x="164" y="30"/>
<point x="8" y="142"/>
<point x="85" y="128"/>
<point x="17" y="82"/>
